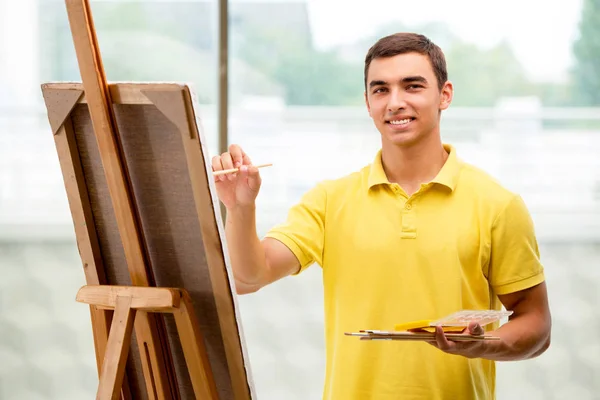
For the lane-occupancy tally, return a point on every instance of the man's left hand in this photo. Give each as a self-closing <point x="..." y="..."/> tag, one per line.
<point x="474" y="349"/>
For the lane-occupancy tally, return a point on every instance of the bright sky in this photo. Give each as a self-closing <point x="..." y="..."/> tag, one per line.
<point x="540" y="31"/>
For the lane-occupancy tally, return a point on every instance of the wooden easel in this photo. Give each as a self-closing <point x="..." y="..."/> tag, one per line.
<point x="118" y="310"/>
<point x="126" y="301"/>
<point x="100" y="105"/>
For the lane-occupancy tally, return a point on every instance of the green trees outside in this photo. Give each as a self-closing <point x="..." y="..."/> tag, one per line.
<point x="586" y="49"/>
<point x="159" y="42"/>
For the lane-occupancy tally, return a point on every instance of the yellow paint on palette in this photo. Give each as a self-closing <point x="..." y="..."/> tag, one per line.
<point x="423" y="325"/>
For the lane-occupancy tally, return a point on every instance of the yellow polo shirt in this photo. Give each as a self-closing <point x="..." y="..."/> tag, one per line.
<point x="388" y="258"/>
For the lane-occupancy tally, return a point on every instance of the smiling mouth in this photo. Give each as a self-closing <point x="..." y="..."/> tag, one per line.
<point x="400" y="122"/>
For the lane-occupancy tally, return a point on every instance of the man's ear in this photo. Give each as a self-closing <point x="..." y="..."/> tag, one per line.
<point x="367" y="103"/>
<point x="446" y="95"/>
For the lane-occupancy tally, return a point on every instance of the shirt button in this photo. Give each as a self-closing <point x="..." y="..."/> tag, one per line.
<point x="408" y="206"/>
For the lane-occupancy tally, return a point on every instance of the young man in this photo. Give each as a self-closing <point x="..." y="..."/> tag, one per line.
<point x="418" y="234"/>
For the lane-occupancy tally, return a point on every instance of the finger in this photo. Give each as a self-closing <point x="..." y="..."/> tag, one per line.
<point x="441" y="340"/>
<point x="250" y="176"/>
<point x="246" y="159"/>
<point x="237" y="154"/>
<point x="227" y="163"/>
<point x="216" y="163"/>
<point x="475" y="329"/>
<point x="254" y="179"/>
<point x="217" y="166"/>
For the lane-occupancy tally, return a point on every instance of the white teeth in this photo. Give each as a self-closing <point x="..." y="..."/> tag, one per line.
<point x="401" y="122"/>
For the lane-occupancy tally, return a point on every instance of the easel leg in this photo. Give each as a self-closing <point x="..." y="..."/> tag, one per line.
<point x="117" y="348"/>
<point x="100" y="329"/>
<point x="195" y="353"/>
<point x="101" y="321"/>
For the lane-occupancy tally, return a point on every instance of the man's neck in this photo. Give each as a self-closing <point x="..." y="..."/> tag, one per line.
<point x="411" y="166"/>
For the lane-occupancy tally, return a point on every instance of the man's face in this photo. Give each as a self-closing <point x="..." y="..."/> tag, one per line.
<point x="404" y="99"/>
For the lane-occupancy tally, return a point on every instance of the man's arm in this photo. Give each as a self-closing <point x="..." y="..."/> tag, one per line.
<point x="526" y="334"/>
<point x="255" y="263"/>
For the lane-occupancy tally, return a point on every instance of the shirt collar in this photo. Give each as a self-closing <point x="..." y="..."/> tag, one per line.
<point x="448" y="175"/>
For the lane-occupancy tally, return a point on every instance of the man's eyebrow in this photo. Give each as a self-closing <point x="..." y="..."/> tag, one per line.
<point x="377" y="83"/>
<point x="416" y="78"/>
<point x="408" y="79"/>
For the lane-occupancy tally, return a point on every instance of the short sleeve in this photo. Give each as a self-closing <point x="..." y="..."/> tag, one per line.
<point x="515" y="259"/>
<point x="303" y="231"/>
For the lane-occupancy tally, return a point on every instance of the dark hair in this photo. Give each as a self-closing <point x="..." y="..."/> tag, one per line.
<point x="402" y="43"/>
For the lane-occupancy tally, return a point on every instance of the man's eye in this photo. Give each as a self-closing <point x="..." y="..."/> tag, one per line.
<point x="414" y="86"/>
<point x="379" y="90"/>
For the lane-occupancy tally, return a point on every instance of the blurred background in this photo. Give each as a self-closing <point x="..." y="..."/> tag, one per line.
<point x="526" y="109"/>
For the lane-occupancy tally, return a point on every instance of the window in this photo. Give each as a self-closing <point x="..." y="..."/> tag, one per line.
<point x="526" y="109"/>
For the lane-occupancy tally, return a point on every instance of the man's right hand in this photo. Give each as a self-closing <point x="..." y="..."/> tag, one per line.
<point x="255" y="263"/>
<point x="238" y="189"/>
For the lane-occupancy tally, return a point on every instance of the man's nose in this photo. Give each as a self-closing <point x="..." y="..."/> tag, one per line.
<point x="396" y="101"/>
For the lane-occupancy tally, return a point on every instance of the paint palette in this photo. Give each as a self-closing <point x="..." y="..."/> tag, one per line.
<point x="453" y="325"/>
<point x="465" y="317"/>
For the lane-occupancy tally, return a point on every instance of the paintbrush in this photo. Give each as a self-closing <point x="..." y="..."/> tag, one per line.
<point x="232" y="170"/>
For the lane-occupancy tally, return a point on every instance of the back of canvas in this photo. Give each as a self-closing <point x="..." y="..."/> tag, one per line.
<point x="165" y="195"/>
